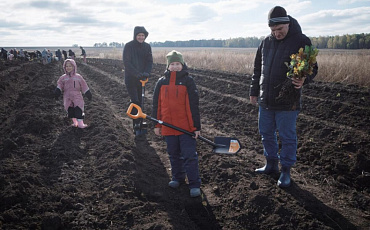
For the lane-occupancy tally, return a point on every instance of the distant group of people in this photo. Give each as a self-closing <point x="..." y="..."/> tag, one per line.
<point x="14" y="54"/>
<point x="45" y="56"/>
<point x="176" y="99"/>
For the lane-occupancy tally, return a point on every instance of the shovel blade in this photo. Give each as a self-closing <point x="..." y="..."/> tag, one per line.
<point x="226" y="145"/>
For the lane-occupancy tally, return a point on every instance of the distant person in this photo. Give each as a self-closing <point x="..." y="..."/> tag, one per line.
<point x="73" y="85"/>
<point x="270" y="72"/>
<point x="44" y="55"/>
<point x="71" y="54"/>
<point x="65" y="55"/>
<point x="50" y="56"/>
<point x="138" y="62"/>
<point x="15" y="53"/>
<point x="176" y="101"/>
<point x="22" y="55"/>
<point x="38" y="55"/>
<point x="10" y="55"/>
<point x="83" y="54"/>
<point x="58" y="55"/>
<point x="4" y="54"/>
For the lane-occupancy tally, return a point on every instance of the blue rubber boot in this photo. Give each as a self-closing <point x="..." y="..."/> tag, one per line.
<point x="195" y="192"/>
<point x="284" y="180"/>
<point x="272" y="166"/>
<point x="174" y="184"/>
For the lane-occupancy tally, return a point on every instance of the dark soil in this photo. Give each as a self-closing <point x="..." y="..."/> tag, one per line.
<point x="54" y="176"/>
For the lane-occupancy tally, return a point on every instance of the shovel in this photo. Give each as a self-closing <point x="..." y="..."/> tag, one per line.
<point x="143" y="124"/>
<point x="221" y="145"/>
<point x="140" y="127"/>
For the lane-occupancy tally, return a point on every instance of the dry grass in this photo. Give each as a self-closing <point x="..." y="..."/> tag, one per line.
<point x="346" y="66"/>
<point x="226" y="59"/>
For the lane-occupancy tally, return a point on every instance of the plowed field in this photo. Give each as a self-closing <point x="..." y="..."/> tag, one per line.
<point x="54" y="176"/>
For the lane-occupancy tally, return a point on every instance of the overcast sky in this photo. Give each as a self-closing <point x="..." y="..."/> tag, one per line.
<point x="86" y="22"/>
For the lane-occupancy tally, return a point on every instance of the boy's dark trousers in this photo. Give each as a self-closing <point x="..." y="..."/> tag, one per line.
<point x="184" y="159"/>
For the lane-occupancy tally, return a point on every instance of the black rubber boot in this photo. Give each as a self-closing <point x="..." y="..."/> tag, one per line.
<point x="272" y="166"/>
<point x="135" y="125"/>
<point x="284" y="180"/>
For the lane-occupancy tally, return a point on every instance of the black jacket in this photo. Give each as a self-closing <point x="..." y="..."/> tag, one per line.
<point x="270" y="69"/>
<point x="137" y="57"/>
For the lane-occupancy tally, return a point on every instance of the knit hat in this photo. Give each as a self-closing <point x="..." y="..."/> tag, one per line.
<point x="174" y="56"/>
<point x="278" y="15"/>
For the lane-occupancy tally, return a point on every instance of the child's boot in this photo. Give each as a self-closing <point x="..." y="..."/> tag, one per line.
<point x="195" y="192"/>
<point x="81" y="123"/>
<point x="75" y="123"/>
<point x="174" y="184"/>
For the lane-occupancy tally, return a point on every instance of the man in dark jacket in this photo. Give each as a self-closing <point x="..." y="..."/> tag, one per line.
<point x="4" y="54"/>
<point x="65" y="55"/>
<point x="58" y="54"/>
<point x="138" y="62"/>
<point x="83" y="54"/>
<point x="270" y="72"/>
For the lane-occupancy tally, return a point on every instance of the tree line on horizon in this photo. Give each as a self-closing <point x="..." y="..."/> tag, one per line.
<point x="111" y="44"/>
<point x="353" y="41"/>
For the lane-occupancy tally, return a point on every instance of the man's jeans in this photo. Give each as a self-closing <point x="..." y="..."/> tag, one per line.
<point x="184" y="159"/>
<point x="271" y="122"/>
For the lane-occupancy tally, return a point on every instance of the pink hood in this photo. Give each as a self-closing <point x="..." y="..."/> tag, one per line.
<point x="74" y="71"/>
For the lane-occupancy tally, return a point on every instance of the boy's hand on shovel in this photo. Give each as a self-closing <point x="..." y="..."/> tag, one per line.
<point x="197" y="134"/>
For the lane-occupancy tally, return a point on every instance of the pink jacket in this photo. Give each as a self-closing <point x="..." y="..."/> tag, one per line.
<point x="73" y="86"/>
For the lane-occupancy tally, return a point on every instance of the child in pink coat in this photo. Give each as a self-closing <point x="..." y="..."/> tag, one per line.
<point x="73" y="86"/>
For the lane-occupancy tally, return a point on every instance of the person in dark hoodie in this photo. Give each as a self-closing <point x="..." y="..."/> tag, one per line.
<point x="4" y="54"/>
<point x="83" y="54"/>
<point x="65" y="55"/>
<point x="270" y="72"/>
<point x="138" y="63"/>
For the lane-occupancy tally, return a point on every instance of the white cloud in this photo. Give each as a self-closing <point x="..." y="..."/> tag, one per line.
<point x="62" y="22"/>
<point x="296" y="8"/>
<point x="200" y="13"/>
<point x="234" y="6"/>
<point x="338" y="22"/>
<point x="344" y="2"/>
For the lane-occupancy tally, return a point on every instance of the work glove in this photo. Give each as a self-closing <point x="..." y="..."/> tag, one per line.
<point x="143" y="76"/>
<point x="57" y="93"/>
<point x="88" y="95"/>
<point x="139" y="76"/>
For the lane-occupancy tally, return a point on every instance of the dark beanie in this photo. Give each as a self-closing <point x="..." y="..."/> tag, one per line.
<point x="278" y="15"/>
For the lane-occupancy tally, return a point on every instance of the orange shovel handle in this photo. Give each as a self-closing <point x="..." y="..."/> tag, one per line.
<point x="144" y="81"/>
<point x="139" y="114"/>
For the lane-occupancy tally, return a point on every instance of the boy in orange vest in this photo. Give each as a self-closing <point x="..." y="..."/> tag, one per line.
<point x="176" y="101"/>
